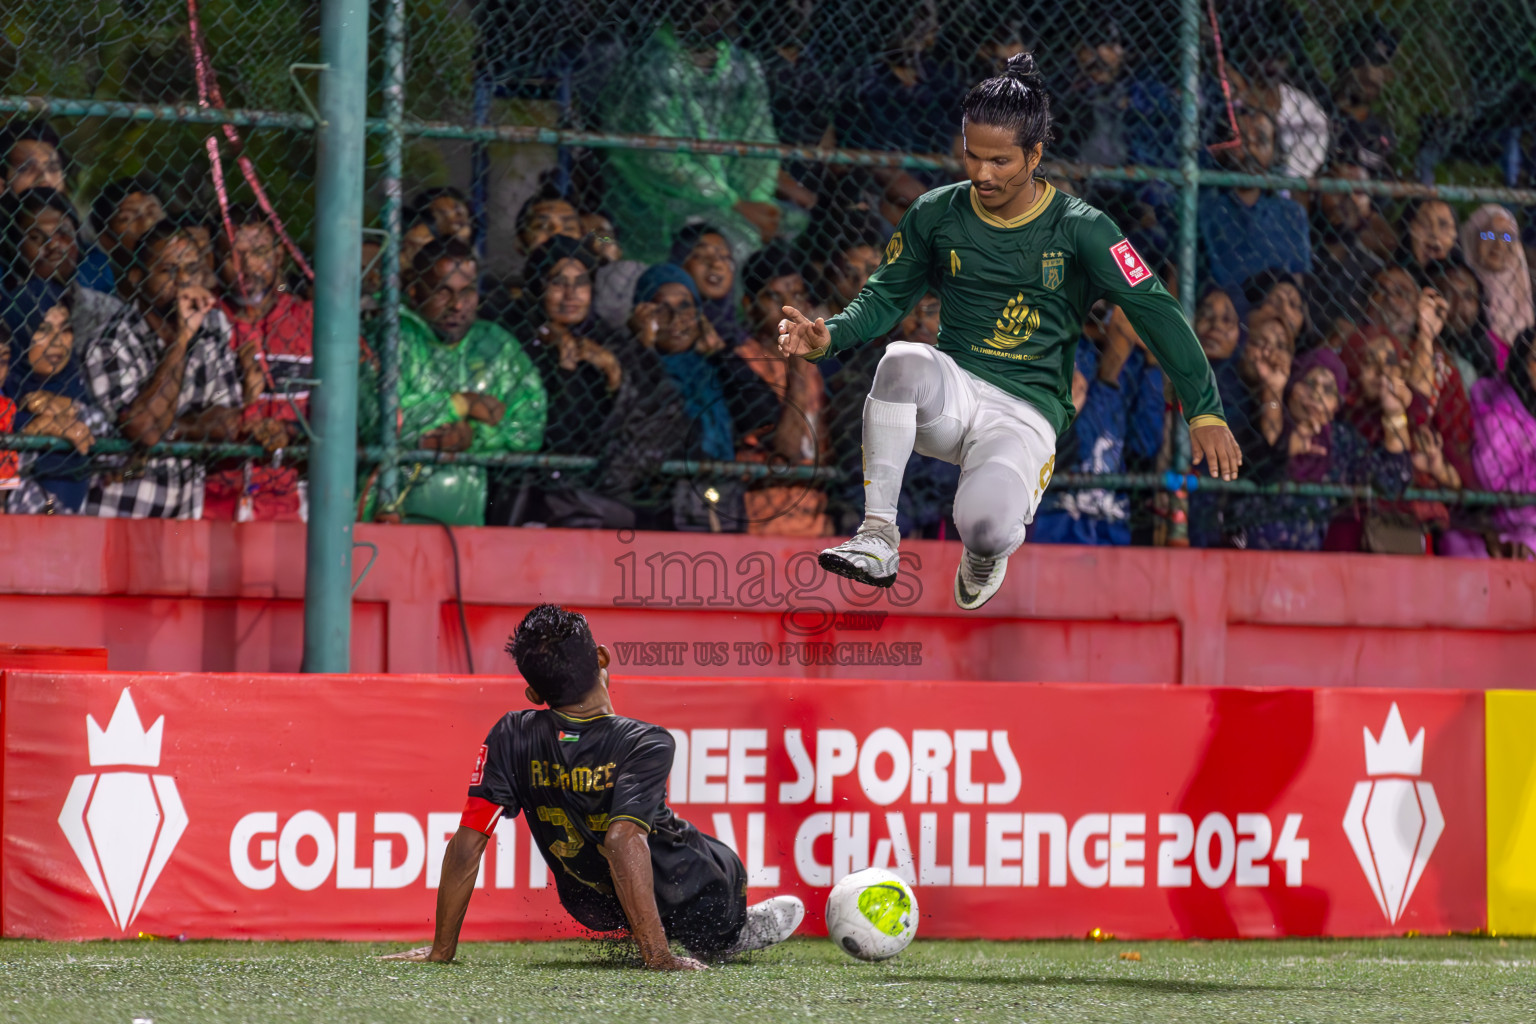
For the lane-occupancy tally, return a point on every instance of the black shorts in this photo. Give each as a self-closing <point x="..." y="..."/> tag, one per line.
<point x="701" y="894"/>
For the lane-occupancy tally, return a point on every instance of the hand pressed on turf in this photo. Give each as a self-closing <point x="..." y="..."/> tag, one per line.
<point x="676" y="963"/>
<point x="1215" y="444"/>
<point x="461" y="866"/>
<point x="420" y="955"/>
<point x="627" y="849"/>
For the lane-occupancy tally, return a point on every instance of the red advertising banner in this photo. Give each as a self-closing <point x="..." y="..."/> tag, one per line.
<point x="301" y="807"/>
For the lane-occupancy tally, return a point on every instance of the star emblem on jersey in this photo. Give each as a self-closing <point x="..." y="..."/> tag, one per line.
<point x="1394" y="820"/>
<point x="893" y="248"/>
<point x="1016" y="325"/>
<point x="1053" y="269"/>
<point x="123" y="825"/>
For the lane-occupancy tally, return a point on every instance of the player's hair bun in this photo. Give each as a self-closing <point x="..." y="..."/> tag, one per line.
<point x="1016" y="99"/>
<point x="1021" y="67"/>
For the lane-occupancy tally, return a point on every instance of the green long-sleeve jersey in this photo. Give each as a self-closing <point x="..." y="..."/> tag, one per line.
<point x="1015" y="293"/>
<point x="660" y="91"/>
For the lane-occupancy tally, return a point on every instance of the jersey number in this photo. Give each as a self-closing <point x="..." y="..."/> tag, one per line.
<point x="572" y="843"/>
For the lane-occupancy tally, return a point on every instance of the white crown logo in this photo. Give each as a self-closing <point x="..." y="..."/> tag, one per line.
<point x="1393" y="754"/>
<point x="123" y="825"/>
<point x="125" y="740"/>
<point x="1393" y="824"/>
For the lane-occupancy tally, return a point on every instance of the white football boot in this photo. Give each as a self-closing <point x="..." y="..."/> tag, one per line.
<point x="978" y="579"/>
<point x="769" y="923"/>
<point x="870" y="556"/>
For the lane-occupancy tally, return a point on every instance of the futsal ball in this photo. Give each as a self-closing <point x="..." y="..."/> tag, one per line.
<point x="871" y="914"/>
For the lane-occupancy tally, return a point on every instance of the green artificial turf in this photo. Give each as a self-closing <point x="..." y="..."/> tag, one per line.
<point x="1424" y="979"/>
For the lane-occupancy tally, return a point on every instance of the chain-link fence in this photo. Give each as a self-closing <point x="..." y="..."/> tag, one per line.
<point x="589" y="214"/>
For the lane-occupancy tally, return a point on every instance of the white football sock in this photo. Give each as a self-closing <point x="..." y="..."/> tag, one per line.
<point x="890" y="431"/>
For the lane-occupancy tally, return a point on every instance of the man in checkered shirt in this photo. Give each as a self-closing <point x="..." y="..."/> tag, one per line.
<point x="164" y="370"/>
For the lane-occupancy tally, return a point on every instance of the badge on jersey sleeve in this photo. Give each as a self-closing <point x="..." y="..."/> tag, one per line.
<point x="477" y="775"/>
<point x="1129" y="262"/>
<point x="893" y="248"/>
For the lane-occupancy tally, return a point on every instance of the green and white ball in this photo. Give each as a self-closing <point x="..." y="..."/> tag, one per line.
<point x="871" y="914"/>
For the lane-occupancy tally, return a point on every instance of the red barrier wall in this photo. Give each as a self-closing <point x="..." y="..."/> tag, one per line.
<point x="69" y="659"/>
<point x="227" y="597"/>
<point x="302" y="807"/>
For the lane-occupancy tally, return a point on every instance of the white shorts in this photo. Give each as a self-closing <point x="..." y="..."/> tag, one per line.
<point x="980" y="424"/>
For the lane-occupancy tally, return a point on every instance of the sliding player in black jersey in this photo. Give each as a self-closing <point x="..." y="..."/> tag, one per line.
<point x="593" y="787"/>
<point x="1017" y="265"/>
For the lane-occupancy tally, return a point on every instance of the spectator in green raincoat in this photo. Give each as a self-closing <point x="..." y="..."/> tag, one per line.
<point x="690" y="80"/>
<point x="465" y="386"/>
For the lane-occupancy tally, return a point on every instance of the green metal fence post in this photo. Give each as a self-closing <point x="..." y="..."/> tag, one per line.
<point x="338" y="258"/>
<point x="394" y="197"/>
<point x="1189" y="149"/>
<point x="1189" y="166"/>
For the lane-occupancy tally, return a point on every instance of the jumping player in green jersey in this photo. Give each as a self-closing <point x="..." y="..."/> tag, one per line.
<point x="1017" y="265"/>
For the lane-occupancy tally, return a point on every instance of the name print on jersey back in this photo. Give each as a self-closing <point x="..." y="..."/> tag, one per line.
<point x="554" y="775"/>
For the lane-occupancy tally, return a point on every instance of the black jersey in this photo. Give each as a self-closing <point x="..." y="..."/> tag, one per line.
<point x="574" y="777"/>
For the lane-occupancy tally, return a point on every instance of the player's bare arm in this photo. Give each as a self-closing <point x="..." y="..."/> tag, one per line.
<point x="461" y="865"/>
<point x="799" y="336"/>
<point x="629" y="860"/>
<point x="1214" y="444"/>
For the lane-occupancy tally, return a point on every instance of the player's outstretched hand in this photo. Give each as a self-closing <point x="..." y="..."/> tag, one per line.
<point x="419" y="955"/>
<point x="677" y="963"/>
<point x="1215" y="444"/>
<point x="799" y="336"/>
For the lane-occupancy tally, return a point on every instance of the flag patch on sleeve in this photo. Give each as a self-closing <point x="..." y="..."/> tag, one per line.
<point x="1129" y="262"/>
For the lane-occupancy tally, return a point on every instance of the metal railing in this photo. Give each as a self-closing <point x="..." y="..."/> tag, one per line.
<point x="388" y="137"/>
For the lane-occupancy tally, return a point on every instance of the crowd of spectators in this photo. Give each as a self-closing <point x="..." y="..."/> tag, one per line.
<point x="1355" y="339"/>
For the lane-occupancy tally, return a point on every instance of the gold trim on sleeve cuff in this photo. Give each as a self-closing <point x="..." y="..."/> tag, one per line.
<point x="1207" y="421"/>
<point x="627" y="817"/>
